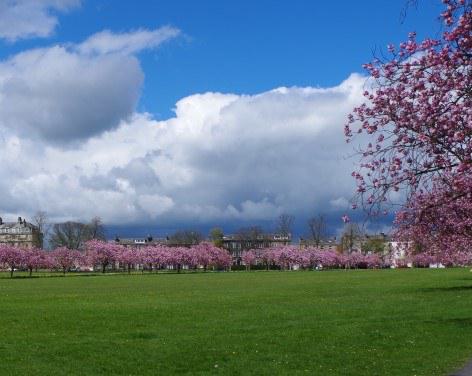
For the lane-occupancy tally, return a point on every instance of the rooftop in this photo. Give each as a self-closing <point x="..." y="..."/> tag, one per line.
<point x="274" y="237"/>
<point x="19" y="224"/>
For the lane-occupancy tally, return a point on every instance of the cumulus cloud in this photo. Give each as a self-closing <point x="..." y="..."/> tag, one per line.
<point x="21" y="19"/>
<point x="61" y="95"/>
<point x="222" y="157"/>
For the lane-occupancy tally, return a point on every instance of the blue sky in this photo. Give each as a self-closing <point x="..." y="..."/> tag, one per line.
<point x="247" y="46"/>
<point x="72" y="98"/>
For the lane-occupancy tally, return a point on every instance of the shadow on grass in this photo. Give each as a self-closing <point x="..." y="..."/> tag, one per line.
<point x="445" y="289"/>
<point x="36" y="276"/>
<point x="143" y="335"/>
<point x="460" y="321"/>
<point x="107" y="274"/>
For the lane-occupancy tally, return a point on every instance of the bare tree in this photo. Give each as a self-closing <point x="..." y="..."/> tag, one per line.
<point x="317" y="228"/>
<point x="72" y="235"/>
<point x="41" y="221"/>
<point x="186" y="237"/>
<point x="284" y="224"/>
<point x="351" y="238"/>
<point x="249" y="233"/>
<point x="96" y="229"/>
<point x="251" y="237"/>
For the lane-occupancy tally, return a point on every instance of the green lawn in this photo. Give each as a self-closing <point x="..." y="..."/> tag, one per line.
<point x="367" y="322"/>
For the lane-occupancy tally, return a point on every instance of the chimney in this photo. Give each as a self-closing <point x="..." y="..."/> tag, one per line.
<point x="19" y="219"/>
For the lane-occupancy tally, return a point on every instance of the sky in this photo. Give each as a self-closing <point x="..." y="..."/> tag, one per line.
<point x="162" y="115"/>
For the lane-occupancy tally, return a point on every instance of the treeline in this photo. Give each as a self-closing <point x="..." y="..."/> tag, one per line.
<point x="289" y="258"/>
<point x="101" y="255"/>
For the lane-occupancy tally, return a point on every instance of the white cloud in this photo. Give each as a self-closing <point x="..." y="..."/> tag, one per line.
<point x="222" y="157"/>
<point x="128" y="43"/>
<point x="62" y="96"/>
<point x="155" y="205"/>
<point x="21" y="19"/>
<point x="340" y="203"/>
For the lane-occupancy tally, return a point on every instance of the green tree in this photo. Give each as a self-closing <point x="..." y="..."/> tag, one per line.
<point x="216" y="236"/>
<point x="374" y="244"/>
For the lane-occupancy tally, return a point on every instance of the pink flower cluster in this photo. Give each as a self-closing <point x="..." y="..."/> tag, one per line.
<point x="203" y="255"/>
<point x="14" y="258"/>
<point x="99" y="254"/>
<point x="425" y="259"/>
<point x="419" y="115"/>
<point x="439" y="221"/>
<point x="291" y="257"/>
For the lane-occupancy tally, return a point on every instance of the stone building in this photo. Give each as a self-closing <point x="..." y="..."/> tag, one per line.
<point x="237" y="244"/>
<point x="325" y="244"/>
<point x="20" y="234"/>
<point x="140" y="242"/>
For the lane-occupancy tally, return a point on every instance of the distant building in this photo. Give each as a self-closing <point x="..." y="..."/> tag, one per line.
<point x="149" y="241"/>
<point x="20" y="234"/>
<point x="139" y="242"/>
<point x="395" y="251"/>
<point x="325" y="245"/>
<point x="365" y="243"/>
<point x="237" y="244"/>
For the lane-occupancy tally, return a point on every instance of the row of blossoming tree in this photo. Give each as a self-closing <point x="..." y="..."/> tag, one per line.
<point x="312" y="258"/>
<point x="289" y="258"/>
<point x="100" y="255"/>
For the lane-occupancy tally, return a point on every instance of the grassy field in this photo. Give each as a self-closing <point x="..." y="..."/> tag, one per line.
<point x="390" y="322"/>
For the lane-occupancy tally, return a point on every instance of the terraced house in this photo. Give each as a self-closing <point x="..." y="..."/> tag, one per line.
<point x="238" y="243"/>
<point x="20" y="234"/>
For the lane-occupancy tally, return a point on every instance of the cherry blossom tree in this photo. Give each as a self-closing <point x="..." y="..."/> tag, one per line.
<point x="249" y="258"/>
<point x="102" y="253"/>
<point x="203" y="254"/>
<point x="65" y="258"/>
<point x="418" y="120"/>
<point x="128" y="257"/>
<point x="219" y="258"/>
<point x="11" y="257"/>
<point x="422" y="260"/>
<point x="34" y="258"/>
